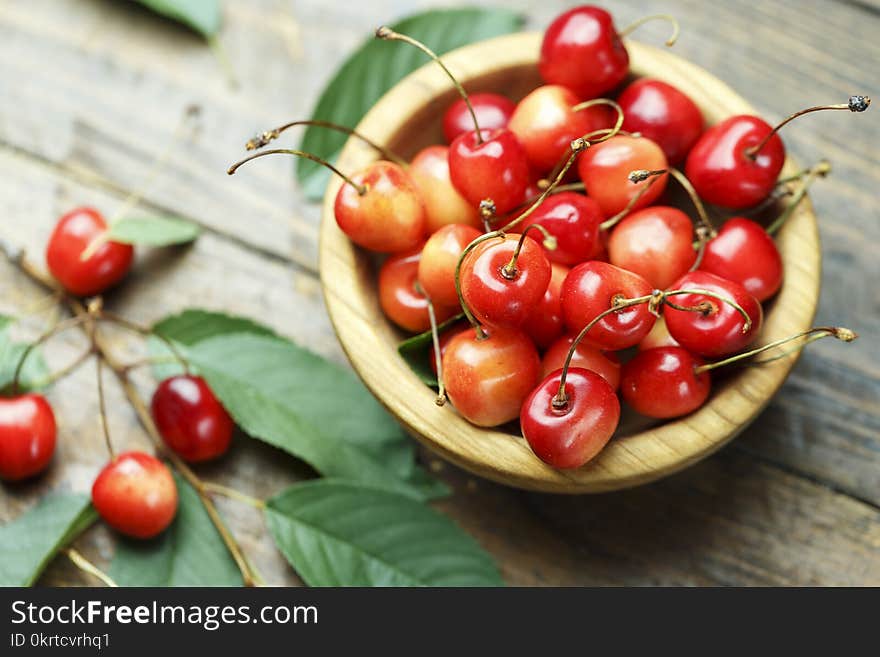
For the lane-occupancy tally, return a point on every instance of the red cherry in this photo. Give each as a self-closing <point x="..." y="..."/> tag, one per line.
<point x="190" y="419"/>
<point x="570" y="436"/>
<point x="573" y="219"/>
<point x="399" y="299"/>
<point x="743" y="252"/>
<point x="439" y="260"/>
<point x="658" y="337"/>
<point x="662" y="113"/>
<point x="722" y="171"/>
<point x="719" y="331"/>
<point x="136" y="495"/>
<point x="662" y="382"/>
<point x="73" y="234"/>
<point x="492" y="110"/>
<point x="582" y="51"/>
<point x="497" y="168"/>
<point x="545" y="324"/>
<point x="497" y="294"/>
<point x="603" y="363"/>
<point x="604" y="169"/>
<point x="488" y="379"/>
<point x="590" y="289"/>
<point x="656" y="243"/>
<point x="545" y="124"/>
<point x="429" y="170"/>
<point x="382" y="210"/>
<point x="27" y="436"/>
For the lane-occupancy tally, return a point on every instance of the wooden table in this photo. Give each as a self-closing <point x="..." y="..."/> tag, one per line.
<point x="90" y="93"/>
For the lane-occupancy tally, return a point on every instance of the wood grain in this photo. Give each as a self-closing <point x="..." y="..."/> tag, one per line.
<point x="90" y="92"/>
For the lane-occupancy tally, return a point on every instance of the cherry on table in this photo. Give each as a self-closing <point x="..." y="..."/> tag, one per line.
<point x="190" y="419"/>
<point x="27" y="436"/>
<point x="400" y="298"/>
<point x="570" y="434"/>
<point x="429" y="170"/>
<point x="573" y="220"/>
<point x="663" y="382"/>
<point x="136" y="495"/>
<point x="106" y="264"/>
<point x="439" y="260"/>
<point x="544" y="325"/>
<point x="604" y="363"/>
<point x="488" y="378"/>
<point x="661" y="112"/>
<point x="492" y="110"/>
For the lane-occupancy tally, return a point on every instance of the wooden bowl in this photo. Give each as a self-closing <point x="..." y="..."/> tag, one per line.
<point x="408" y="118"/>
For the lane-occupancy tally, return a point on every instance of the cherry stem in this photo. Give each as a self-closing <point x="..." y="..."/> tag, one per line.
<point x="813" y="334"/>
<point x="820" y="170"/>
<point x="481" y="334"/>
<point x="361" y="189"/>
<point x="619" y="302"/>
<point x="68" y="323"/>
<point x="89" y="568"/>
<point x="145" y="331"/>
<point x="666" y="17"/>
<point x="706" y="308"/>
<point x="611" y="222"/>
<point x="855" y="104"/>
<point x="102" y="407"/>
<point x="488" y="213"/>
<point x="618" y="124"/>
<point x="509" y="270"/>
<point x="388" y="34"/>
<point x="603" y="134"/>
<point x="435" y="339"/>
<point x="64" y="371"/>
<point x="265" y="137"/>
<point x="233" y="494"/>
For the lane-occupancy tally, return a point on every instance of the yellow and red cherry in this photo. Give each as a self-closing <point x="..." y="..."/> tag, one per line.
<point x="544" y="325"/>
<point x="27" y="436"/>
<point x="743" y="252"/>
<point x="570" y="434"/>
<point x="573" y="220"/>
<point x="712" y="327"/>
<point x="492" y="110"/>
<point x="487" y="378"/>
<point x="439" y="260"/>
<point x="592" y="288"/>
<point x="604" y="169"/>
<point x="503" y="279"/>
<point x="400" y="297"/>
<point x="664" y="383"/>
<point x="656" y="243"/>
<point x="190" y="419"/>
<point x="546" y="123"/>
<point x="663" y="114"/>
<point x="604" y="363"/>
<point x="429" y="170"/>
<point x="136" y="495"/>
<point x="106" y="262"/>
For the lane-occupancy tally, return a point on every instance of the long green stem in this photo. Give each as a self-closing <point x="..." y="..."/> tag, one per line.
<point x="665" y="17"/>
<point x="68" y="323"/>
<point x="785" y="215"/>
<point x="89" y="568"/>
<point x="361" y="190"/>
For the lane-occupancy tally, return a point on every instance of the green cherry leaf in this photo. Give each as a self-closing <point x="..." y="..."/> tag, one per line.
<point x="153" y="231"/>
<point x="203" y="16"/>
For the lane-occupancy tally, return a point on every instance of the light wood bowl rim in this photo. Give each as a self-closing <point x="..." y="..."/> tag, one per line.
<point x="368" y="340"/>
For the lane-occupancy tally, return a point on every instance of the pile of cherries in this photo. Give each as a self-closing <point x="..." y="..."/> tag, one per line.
<point x="557" y="274"/>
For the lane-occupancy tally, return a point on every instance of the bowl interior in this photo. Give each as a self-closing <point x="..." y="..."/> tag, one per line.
<point x="408" y="118"/>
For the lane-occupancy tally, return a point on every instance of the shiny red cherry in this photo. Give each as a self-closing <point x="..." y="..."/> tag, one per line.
<point x="190" y="419"/>
<point x="724" y="173"/>
<point x="439" y="259"/>
<point x="582" y="51"/>
<point x="717" y="331"/>
<point x="662" y="113"/>
<point x="743" y="252"/>
<point x="604" y="169"/>
<point x="494" y="168"/>
<point x="656" y="243"/>
<point x="545" y="124"/>
<point x="604" y="363"/>
<point x="571" y="435"/>
<point x="500" y="295"/>
<point x="663" y="383"/>
<point x="492" y="110"/>
<point x="488" y="379"/>
<point x="27" y="436"/>
<point x="573" y="220"/>
<point x="104" y="267"/>
<point x="590" y="289"/>
<point x="399" y="298"/>
<point x="429" y="170"/>
<point x="136" y="495"/>
<point x="544" y="325"/>
<point x="383" y="210"/>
